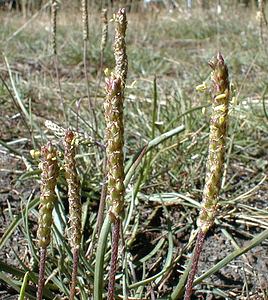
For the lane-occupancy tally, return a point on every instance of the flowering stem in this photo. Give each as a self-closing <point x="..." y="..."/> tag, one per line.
<point x="74" y="272"/>
<point x="215" y="162"/>
<point x="197" y="251"/>
<point x="41" y="276"/>
<point x="113" y="264"/>
<point x="75" y="206"/>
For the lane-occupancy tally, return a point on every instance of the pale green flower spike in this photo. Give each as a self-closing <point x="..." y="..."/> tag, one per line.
<point x="115" y="141"/>
<point x="121" y="61"/>
<point x="84" y="9"/>
<point x="50" y="169"/>
<point x="218" y="130"/>
<point x="54" y="8"/>
<point x="73" y="189"/>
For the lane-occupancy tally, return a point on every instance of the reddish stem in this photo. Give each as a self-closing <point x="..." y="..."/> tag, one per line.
<point x="74" y="273"/>
<point x="112" y="272"/>
<point x="41" y="277"/>
<point x="195" y="259"/>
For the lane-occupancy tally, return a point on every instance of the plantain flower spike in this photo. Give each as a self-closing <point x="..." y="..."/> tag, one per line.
<point x="84" y="9"/>
<point x="54" y="8"/>
<point x="50" y="170"/>
<point x="73" y="189"/>
<point x="120" y="53"/>
<point x="104" y="35"/>
<point x="261" y="5"/>
<point x="216" y="152"/>
<point x="114" y="149"/>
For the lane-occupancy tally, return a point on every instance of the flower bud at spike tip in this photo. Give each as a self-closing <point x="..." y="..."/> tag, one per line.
<point x="121" y="61"/>
<point x="50" y="169"/>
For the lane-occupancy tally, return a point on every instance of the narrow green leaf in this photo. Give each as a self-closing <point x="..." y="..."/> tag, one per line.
<point x="99" y="265"/>
<point x="23" y="287"/>
<point x="18" y="219"/>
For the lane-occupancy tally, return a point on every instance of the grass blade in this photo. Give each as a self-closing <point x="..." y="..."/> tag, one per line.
<point x="23" y="287"/>
<point x="18" y="219"/>
<point x="102" y="244"/>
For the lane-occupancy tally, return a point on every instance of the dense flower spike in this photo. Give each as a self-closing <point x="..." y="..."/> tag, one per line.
<point x="84" y="10"/>
<point x="218" y="128"/>
<point x="121" y="61"/>
<point x="104" y="35"/>
<point x="54" y="8"/>
<point x="215" y="162"/>
<point x="73" y="190"/>
<point x="75" y="207"/>
<point x="115" y="85"/>
<point x="114" y="149"/>
<point x="261" y="17"/>
<point x="49" y="167"/>
<point x="261" y="6"/>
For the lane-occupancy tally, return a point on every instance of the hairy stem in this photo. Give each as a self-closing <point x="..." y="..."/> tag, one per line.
<point x="113" y="263"/>
<point x="74" y="272"/>
<point x="195" y="258"/>
<point x="41" y="277"/>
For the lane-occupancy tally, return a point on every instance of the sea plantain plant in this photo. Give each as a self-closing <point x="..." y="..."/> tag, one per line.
<point x="115" y="140"/>
<point x="138" y="278"/>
